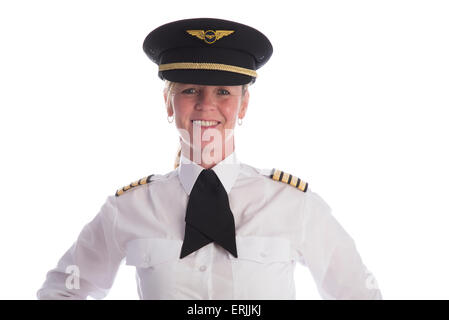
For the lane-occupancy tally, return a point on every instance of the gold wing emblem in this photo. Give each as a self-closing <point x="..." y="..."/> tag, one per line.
<point x="209" y="36"/>
<point x="200" y="34"/>
<point x="222" y="33"/>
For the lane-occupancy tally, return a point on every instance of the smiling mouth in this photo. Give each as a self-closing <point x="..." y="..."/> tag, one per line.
<point x="206" y="123"/>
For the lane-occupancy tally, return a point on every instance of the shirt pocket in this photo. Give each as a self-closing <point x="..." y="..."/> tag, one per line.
<point x="156" y="261"/>
<point x="264" y="268"/>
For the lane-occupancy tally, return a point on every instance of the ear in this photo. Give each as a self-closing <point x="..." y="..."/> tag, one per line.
<point x="168" y="104"/>
<point x="244" y="105"/>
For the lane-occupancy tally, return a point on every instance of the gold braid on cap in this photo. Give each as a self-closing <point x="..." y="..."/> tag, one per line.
<point x="207" y="66"/>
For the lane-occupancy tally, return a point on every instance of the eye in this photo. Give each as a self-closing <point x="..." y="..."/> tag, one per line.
<point x="189" y="91"/>
<point x="223" y="92"/>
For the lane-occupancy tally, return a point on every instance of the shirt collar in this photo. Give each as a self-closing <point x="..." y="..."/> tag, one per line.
<point x="227" y="171"/>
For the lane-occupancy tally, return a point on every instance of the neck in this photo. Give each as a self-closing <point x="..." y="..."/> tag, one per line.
<point x="208" y="156"/>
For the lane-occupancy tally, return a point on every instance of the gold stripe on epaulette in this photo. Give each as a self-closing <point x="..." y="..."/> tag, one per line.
<point x="134" y="184"/>
<point x="142" y="181"/>
<point x="294" y="181"/>
<point x="276" y="175"/>
<point x="302" y="185"/>
<point x="287" y="178"/>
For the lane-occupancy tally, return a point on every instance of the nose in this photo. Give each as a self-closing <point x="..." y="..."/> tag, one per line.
<point x="206" y="100"/>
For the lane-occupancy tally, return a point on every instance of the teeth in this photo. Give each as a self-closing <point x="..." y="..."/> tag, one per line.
<point x="205" y="123"/>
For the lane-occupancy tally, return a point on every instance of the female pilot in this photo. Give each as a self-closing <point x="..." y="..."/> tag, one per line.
<point x="214" y="227"/>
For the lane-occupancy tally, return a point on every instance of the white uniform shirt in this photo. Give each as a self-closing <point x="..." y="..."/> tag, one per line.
<point x="277" y="226"/>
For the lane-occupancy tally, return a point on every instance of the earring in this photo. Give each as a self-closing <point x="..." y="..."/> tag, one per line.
<point x="170" y="120"/>
<point x="239" y="121"/>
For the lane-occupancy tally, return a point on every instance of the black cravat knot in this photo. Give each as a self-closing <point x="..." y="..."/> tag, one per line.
<point x="208" y="180"/>
<point x="208" y="216"/>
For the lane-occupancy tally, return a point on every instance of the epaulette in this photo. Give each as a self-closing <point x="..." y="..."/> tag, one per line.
<point x="282" y="176"/>
<point x="136" y="183"/>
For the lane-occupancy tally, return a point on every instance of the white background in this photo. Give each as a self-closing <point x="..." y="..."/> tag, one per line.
<point x="354" y="100"/>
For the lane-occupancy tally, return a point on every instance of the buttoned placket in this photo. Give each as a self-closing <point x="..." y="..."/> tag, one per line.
<point x="227" y="172"/>
<point x="203" y="264"/>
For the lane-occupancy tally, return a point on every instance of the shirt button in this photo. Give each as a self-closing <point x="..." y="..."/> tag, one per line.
<point x="146" y="261"/>
<point x="203" y="268"/>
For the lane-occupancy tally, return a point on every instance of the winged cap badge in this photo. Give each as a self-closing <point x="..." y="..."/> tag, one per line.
<point x="209" y="36"/>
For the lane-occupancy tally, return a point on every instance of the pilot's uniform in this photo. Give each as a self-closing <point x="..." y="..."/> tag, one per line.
<point x="276" y="219"/>
<point x="279" y="221"/>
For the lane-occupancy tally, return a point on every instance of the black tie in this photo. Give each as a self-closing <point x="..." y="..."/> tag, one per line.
<point x="208" y="216"/>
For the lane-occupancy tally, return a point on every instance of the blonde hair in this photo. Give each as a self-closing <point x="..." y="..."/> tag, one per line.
<point x="168" y="90"/>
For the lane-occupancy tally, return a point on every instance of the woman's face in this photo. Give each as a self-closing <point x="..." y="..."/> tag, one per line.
<point x="208" y="112"/>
